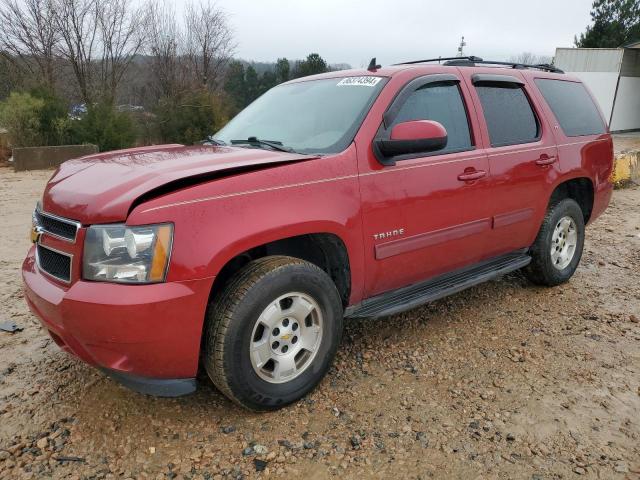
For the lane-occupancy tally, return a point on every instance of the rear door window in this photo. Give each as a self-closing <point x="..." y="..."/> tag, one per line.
<point x="508" y="113"/>
<point x="572" y="106"/>
<point x="442" y="103"/>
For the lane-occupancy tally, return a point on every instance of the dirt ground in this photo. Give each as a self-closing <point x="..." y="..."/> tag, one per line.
<point x="624" y="142"/>
<point x="505" y="380"/>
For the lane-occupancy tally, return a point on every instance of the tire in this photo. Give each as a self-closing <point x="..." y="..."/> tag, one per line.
<point x="240" y="326"/>
<point x="551" y="269"/>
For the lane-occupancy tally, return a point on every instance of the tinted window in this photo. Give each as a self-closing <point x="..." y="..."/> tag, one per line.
<point x="443" y="104"/>
<point x="572" y="106"/>
<point x="509" y="116"/>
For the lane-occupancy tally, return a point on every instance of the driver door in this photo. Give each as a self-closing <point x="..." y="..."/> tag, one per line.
<point x="428" y="213"/>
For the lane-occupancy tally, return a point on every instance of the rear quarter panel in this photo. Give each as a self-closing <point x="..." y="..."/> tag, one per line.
<point x="587" y="156"/>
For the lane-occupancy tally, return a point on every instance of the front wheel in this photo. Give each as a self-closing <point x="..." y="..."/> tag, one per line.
<point x="272" y="333"/>
<point x="558" y="247"/>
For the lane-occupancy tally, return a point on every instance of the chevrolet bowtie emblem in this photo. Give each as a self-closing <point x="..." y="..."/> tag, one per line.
<point x="286" y="337"/>
<point x="36" y="231"/>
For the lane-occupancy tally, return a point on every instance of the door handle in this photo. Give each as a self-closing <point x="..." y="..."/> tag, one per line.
<point x="473" y="175"/>
<point x="546" y="160"/>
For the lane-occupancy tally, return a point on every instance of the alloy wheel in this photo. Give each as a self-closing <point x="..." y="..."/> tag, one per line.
<point x="286" y="337"/>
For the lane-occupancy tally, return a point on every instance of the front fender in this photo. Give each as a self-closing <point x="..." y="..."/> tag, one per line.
<point x="211" y="229"/>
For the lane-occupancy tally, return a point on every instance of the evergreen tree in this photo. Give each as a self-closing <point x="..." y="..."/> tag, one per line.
<point x="252" y="85"/>
<point x="268" y="80"/>
<point x="190" y="117"/>
<point x="282" y="70"/>
<point x="312" y="65"/>
<point x="615" y="23"/>
<point x="235" y="85"/>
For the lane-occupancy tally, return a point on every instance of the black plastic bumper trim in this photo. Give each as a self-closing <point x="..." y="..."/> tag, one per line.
<point x="158" y="387"/>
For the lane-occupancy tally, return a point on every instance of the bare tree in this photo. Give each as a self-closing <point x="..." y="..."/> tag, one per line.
<point x="122" y="36"/>
<point x="528" y="58"/>
<point x="100" y="38"/>
<point x="29" y="35"/>
<point x="77" y="21"/>
<point x="10" y="76"/>
<point x="163" y="46"/>
<point x="208" y="42"/>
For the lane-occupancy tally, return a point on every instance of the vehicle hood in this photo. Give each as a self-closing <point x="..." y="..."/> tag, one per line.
<point x="102" y="188"/>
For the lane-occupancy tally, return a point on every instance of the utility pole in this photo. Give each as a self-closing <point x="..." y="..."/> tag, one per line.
<point x="461" y="47"/>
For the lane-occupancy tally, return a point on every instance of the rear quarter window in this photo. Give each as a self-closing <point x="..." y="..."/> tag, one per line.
<point x="572" y="106"/>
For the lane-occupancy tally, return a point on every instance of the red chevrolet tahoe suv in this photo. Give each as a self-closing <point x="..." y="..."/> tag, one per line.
<point x="356" y="193"/>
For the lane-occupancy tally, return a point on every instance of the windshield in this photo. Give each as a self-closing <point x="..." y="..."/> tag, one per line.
<point x="316" y="116"/>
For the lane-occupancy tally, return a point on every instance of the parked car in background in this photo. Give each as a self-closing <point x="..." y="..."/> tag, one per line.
<point x="356" y="193"/>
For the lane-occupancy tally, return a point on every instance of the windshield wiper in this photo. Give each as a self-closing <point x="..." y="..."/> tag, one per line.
<point x="213" y="141"/>
<point x="254" y="141"/>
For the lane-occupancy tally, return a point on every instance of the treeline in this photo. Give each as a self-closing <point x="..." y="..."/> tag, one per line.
<point x="116" y="74"/>
<point x="243" y="85"/>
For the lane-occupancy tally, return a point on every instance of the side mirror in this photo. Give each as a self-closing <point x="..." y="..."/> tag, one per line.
<point x="415" y="136"/>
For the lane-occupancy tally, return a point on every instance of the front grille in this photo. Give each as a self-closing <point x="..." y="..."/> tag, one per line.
<point x="66" y="229"/>
<point x="56" y="264"/>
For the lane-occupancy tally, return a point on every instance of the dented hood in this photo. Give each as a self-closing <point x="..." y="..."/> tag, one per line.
<point x="102" y="188"/>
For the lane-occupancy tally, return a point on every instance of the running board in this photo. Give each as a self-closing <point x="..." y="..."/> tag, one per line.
<point x="409" y="297"/>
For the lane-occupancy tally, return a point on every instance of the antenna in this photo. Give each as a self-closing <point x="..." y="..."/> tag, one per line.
<point x="461" y="47"/>
<point x="373" y="66"/>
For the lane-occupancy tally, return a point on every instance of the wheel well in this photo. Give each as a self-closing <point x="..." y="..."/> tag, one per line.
<point x="325" y="250"/>
<point x="578" y="189"/>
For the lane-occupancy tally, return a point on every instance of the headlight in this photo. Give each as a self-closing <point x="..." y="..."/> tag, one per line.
<point x="117" y="253"/>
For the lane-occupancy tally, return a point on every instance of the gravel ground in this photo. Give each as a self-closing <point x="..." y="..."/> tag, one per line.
<point x="505" y="380"/>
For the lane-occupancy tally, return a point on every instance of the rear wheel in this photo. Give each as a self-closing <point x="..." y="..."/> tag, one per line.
<point x="558" y="247"/>
<point x="272" y="333"/>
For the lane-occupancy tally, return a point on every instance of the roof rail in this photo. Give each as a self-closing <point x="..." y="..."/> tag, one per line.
<point x="540" y="66"/>
<point x="441" y="59"/>
<point x="472" y="61"/>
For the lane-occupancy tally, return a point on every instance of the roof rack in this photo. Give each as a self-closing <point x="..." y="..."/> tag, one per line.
<point x="441" y="59"/>
<point x="471" y="61"/>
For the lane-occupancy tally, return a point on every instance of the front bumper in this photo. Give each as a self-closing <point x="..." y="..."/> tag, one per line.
<point x="158" y="387"/>
<point x="146" y="336"/>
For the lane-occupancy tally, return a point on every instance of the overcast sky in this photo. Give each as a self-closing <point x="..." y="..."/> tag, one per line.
<point x="353" y="31"/>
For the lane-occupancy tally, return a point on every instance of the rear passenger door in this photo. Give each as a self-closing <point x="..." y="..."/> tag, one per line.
<point x="522" y="157"/>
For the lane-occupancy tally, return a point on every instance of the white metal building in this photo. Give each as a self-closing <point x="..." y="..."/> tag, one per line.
<point x="613" y="75"/>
